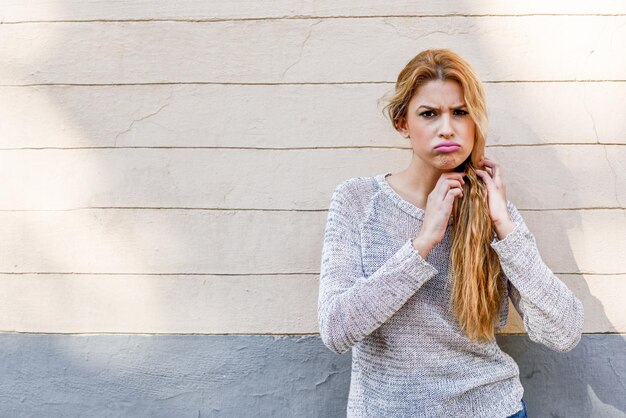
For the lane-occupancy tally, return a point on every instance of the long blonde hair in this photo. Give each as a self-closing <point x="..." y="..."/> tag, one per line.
<point x="476" y="294"/>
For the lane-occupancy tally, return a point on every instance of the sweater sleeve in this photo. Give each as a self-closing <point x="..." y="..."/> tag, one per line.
<point x="552" y="314"/>
<point x="351" y="306"/>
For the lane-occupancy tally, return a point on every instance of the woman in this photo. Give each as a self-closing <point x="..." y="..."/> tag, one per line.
<point x="417" y="266"/>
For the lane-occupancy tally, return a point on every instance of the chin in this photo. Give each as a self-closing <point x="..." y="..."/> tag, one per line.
<point x="448" y="162"/>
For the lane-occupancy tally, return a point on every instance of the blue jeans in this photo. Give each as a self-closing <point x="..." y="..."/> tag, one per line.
<point x="522" y="413"/>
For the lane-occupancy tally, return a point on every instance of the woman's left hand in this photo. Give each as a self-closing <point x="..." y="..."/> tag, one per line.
<point x="496" y="190"/>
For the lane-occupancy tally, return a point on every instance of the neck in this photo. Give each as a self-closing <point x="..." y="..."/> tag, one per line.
<point x="421" y="177"/>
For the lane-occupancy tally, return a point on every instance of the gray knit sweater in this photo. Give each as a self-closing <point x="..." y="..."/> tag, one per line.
<point x="378" y="296"/>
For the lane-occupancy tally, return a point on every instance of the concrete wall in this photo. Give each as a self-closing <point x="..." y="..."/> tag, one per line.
<point x="167" y="167"/>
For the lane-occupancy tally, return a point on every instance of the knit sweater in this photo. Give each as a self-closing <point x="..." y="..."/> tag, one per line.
<point x="380" y="298"/>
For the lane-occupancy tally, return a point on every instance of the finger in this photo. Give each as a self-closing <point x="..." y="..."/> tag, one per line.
<point x="455" y="183"/>
<point x="452" y="194"/>
<point x="443" y="184"/>
<point x="443" y="188"/>
<point x="495" y="170"/>
<point x="484" y="166"/>
<point x="457" y="192"/>
<point x="453" y="175"/>
<point x="486" y="162"/>
<point x="486" y="171"/>
<point x="486" y="178"/>
<point x="449" y="185"/>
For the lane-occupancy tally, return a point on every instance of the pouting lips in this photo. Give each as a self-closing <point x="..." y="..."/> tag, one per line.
<point x="449" y="148"/>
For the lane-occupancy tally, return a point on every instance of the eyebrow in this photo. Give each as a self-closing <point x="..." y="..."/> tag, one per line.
<point x="436" y="108"/>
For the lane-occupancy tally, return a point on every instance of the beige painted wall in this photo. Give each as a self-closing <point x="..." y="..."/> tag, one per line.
<point x="167" y="166"/>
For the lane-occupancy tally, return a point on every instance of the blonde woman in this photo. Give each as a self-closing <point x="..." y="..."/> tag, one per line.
<point x="417" y="266"/>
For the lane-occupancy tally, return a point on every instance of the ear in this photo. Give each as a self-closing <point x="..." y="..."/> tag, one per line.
<point x="402" y="128"/>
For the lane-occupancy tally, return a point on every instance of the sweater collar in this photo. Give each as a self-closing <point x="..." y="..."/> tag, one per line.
<point x="398" y="200"/>
<point x="405" y="205"/>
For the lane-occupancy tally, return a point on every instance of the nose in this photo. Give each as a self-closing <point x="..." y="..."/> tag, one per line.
<point x="445" y="130"/>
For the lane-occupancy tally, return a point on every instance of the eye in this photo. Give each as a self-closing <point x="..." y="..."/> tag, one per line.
<point x="424" y="113"/>
<point x="463" y="112"/>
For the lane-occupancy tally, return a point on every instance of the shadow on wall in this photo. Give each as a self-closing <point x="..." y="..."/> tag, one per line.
<point x="587" y="381"/>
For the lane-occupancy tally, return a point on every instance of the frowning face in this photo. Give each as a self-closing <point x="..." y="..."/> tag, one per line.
<point x="438" y="125"/>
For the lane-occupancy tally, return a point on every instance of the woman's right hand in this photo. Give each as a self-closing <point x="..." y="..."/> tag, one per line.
<point x="437" y="212"/>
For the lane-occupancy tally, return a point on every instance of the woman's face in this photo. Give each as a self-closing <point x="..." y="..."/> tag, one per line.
<point x="437" y="114"/>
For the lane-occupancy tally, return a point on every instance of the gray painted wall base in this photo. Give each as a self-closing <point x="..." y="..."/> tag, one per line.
<point x="261" y="376"/>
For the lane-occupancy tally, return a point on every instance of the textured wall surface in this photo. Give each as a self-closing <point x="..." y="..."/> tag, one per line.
<point x="261" y="376"/>
<point x="167" y="168"/>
